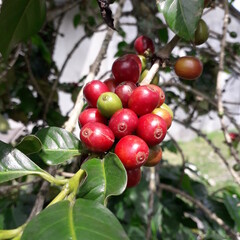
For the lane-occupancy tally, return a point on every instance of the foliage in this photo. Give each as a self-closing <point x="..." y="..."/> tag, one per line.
<point x="77" y="207"/>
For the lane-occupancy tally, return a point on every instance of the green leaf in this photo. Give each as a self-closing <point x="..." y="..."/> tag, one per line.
<point x="18" y="21"/>
<point x="29" y="145"/>
<point x="4" y="126"/>
<point x="182" y="16"/>
<point x="232" y="204"/>
<point x="14" y="164"/>
<point x="105" y="178"/>
<point x="58" y="145"/>
<point x="84" y="220"/>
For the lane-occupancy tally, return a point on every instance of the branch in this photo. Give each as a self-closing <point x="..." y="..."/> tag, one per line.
<point x="201" y="206"/>
<point x="94" y="69"/>
<point x="216" y="150"/>
<point x="219" y="83"/>
<point x="162" y="55"/>
<point x="152" y="190"/>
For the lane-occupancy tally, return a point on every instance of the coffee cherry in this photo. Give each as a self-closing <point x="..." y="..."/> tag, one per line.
<point x="124" y="90"/>
<point x="123" y="122"/>
<point x="152" y="129"/>
<point x="108" y="103"/>
<point x="111" y="84"/>
<point x="166" y="107"/>
<point x="97" y="137"/>
<point x="126" y="69"/>
<point x="91" y="115"/>
<point x="136" y="58"/>
<point x="160" y="92"/>
<point x="188" y="67"/>
<point x="133" y="177"/>
<point x="164" y="114"/>
<point x="132" y="151"/>
<point x="155" y="156"/>
<point x="155" y="80"/>
<point x="143" y="44"/>
<point x="143" y="100"/>
<point x="202" y="33"/>
<point x="93" y="90"/>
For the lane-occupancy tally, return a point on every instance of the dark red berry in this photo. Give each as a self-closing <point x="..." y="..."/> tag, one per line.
<point x="143" y="100"/>
<point x="152" y="129"/>
<point x="124" y="90"/>
<point x="123" y="122"/>
<point x="143" y="44"/>
<point x="97" y="137"/>
<point x="133" y="177"/>
<point x="126" y="69"/>
<point x="137" y="59"/>
<point x="132" y="151"/>
<point x="91" y="115"/>
<point x="93" y="90"/>
<point x="111" y="84"/>
<point x="155" y="156"/>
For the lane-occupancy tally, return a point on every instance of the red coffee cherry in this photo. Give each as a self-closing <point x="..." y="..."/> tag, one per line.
<point x="93" y="90"/>
<point x="143" y="44"/>
<point x="132" y="151"/>
<point x="188" y="68"/>
<point x="111" y="84"/>
<point x="137" y="59"/>
<point x="160" y="92"/>
<point x="91" y="115"/>
<point x="97" y="137"/>
<point x="124" y="90"/>
<point x="143" y="100"/>
<point x="123" y="122"/>
<point x="152" y="129"/>
<point x="133" y="177"/>
<point x="155" y="156"/>
<point x="126" y="69"/>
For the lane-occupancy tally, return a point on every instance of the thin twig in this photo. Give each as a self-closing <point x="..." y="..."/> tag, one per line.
<point x="219" y="84"/>
<point x="94" y="69"/>
<point x="33" y="79"/>
<point x="152" y="190"/>
<point x="216" y="150"/>
<point x="201" y="206"/>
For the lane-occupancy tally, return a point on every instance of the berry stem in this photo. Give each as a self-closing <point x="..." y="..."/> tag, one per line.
<point x="162" y="54"/>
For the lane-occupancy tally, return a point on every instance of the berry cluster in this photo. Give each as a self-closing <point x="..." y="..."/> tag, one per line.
<point x="127" y="115"/>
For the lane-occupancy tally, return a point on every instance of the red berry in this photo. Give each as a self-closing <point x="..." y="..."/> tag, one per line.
<point x="123" y="122"/>
<point x="143" y="44"/>
<point x="111" y="84"/>
<point x="152" y="129"/>
<point x="91" y="115"/>
<point x="143" y="100"/>
<point x="126" y="69"/>
<point x="160" y="92"/>
<point x="124" y="90"/>
<point x="132" y="151"/>
<point x="137" y="59"/>
<point x="93" y="90"/>
<point x="133" y="177"/>
<point x="155" y="156"/>
<point x="97" y="137"/>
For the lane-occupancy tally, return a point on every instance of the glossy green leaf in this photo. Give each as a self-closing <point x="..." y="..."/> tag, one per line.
<point x="14" y="164"/>
<point x="232" y="204"/>
<point x="18" y="21"/>
<point x="85" y="220"/>
<point x="58" y="145"/>
<point x="105" y="178"/>
<point x="30" y="144"/>
<point x="182" y="16"/>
